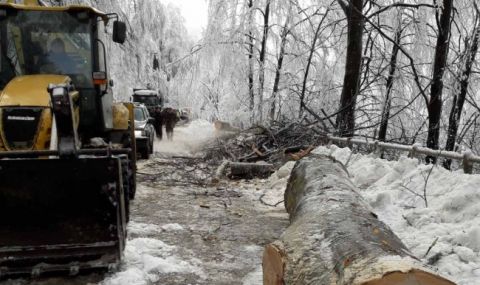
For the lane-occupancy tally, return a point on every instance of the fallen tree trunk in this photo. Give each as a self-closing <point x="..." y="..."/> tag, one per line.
<point x="220" y="172"/>
<point x="334" y="237"/>
<point x="250" y="170"/>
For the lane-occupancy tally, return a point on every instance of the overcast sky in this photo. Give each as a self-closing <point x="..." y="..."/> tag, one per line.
<point x="195" y="14"/>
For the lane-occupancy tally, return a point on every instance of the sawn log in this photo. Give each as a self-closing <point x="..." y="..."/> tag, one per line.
<point x="334" y="237"/>
<point x="250" y="170"/>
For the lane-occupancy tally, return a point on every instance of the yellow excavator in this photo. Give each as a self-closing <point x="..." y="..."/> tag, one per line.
<point x="67" y="151"/>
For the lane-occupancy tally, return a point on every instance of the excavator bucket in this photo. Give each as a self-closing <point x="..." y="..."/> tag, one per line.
<point x="60" y="215"/>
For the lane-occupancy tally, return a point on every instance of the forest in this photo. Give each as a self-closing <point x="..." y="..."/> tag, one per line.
<point x="401" y="71"/>
<point x="397" y="71"/>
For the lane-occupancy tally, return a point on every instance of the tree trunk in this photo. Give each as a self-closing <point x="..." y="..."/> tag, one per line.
<point x="441" y="54"/>
<point x="334" y="238"/>
<point x="250" y="60"/>
<point x="346" y="115"/>
<point x="263" y="52"/>
<point x="459" y="99"/>
<point x="382" y="134"/>
<point x="278" y="71"/>
<point x="250" y="170"/>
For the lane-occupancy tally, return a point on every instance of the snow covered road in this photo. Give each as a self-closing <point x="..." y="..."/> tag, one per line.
<point x="186" y="232"/>
<point x="183" y="231"/>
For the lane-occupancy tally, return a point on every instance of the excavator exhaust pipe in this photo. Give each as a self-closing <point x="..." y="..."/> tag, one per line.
<point x="61" y="215"/>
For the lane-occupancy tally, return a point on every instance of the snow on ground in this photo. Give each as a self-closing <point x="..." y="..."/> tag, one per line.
<point x="148" y="229"/>
<point x="186" y="139"/>
<point x="147" y="258"/>
<point x="271" y="191"/>
<point x="278" y="183"/>
<point x="254" y="277"/>
<point x="397" y="190"/>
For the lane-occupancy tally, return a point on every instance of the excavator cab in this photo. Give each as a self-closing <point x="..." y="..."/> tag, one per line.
<point x="67" y="151"/>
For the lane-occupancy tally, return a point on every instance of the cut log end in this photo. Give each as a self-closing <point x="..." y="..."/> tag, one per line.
<point x="413" y="277"/>
<point x="273" y="265"/>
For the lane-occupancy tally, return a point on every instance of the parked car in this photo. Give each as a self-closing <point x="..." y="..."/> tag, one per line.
<point x="144" y="131"/>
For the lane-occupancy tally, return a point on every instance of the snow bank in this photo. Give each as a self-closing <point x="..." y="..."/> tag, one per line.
<point x="277" y="182"/>
<point x="146" y="259"/>
<point x="397" y="191"/>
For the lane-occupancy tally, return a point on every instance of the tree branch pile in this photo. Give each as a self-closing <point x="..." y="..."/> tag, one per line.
<point x="275" y="144"/>
<point x="183" y="171"/>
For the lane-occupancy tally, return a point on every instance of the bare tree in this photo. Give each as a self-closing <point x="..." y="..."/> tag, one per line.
<point x="441" y="54"/>
<point x="250" y="44"/>
<point x="262" y="56"/>
<point x="346" y="115"/>
<point x="471" y="49"/>
<point x="278" y="70"/>
<point x="313" y="48"/>
<point x="382" y="134"/>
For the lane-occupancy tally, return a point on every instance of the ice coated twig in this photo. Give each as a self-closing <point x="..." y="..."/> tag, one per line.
<point x="268" y="204"/>
<point x="431" y="246"/>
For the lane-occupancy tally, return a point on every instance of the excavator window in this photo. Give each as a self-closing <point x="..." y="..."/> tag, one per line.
<point x="46" y="42"/>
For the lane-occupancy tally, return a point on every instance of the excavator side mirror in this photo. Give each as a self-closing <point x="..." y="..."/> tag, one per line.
<point x="119" y="32"/>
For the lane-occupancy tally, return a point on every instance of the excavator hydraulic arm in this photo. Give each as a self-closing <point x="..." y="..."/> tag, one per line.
<point x="63" y="114"/>
<point x="63" y="213"/>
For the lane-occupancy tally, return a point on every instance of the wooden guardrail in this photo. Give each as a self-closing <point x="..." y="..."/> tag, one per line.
<point x="467" y="158"/>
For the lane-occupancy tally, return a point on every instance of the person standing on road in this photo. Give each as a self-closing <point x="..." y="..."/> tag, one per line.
<point x="170" y="117"/>
<point x="157" y="115"/>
